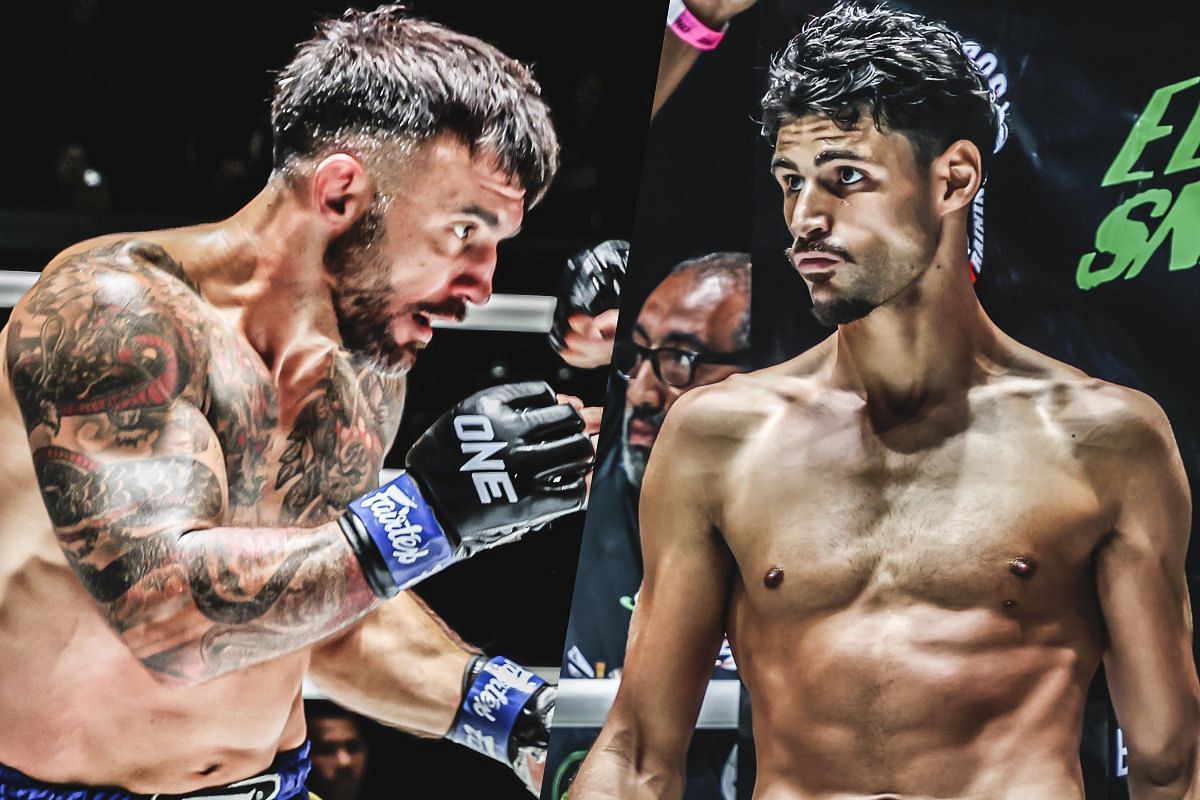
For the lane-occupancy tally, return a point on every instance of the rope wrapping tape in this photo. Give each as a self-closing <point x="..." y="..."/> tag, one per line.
<point x="584" y="703"/>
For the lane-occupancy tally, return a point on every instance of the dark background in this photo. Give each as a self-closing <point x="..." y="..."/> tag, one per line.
<point x="697" y="187"/>
<point x="168" y="104"/>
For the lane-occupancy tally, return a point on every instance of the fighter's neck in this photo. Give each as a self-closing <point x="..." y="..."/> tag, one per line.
<point x="929" y="344"/>
<point x="269" y="277"/>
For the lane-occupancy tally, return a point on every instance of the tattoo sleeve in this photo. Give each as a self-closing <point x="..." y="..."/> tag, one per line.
<point x="111" y="380"/>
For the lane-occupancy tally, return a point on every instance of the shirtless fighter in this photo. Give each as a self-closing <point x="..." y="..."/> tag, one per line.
<point x="181" y="539"/>
<point x="921" y="537"/>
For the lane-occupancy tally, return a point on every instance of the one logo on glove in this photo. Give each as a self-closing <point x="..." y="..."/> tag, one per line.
<point x="494" y="694"/>
<point x="390" y="507"/>
<point x="488" y="474"/>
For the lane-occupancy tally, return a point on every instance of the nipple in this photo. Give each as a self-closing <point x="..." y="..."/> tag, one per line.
<point x="1023" y="566"/>
<point x="773" y="578"/>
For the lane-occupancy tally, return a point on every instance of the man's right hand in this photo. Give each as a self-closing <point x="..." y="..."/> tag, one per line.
<point x="503" y="461"/>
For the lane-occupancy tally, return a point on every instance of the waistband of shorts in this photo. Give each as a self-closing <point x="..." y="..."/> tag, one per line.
<point x="283" y="780"/>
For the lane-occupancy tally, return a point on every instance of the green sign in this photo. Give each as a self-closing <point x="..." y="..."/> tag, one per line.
<point x="1124" y="243"/>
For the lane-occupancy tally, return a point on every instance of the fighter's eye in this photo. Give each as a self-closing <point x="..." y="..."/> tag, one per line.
<point x="793" y="183"/>
<point x="849" y="175"/>
<point x="462" y="231"/>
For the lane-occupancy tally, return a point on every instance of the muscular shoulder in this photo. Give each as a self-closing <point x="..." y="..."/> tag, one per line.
<point x="709" y="427"/>
<point x="1110" y="418"/>
<point x="1093" y="412"/>
<point x="1115" y="434"/>
<point x="128" y="254"/>
<point x="744" y="405"/>
<point x="104" y="328"/>
<point x="1123" y="440"/>
<point x="128" y="275"/>
<point x="719" y="413"/>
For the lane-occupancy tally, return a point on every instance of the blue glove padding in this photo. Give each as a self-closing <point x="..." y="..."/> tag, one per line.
<point x="404" y="531"/>
<point x="491" y="707"/>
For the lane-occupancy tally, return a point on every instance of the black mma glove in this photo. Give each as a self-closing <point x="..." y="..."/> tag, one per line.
<point x="506" y="713"/>
<point x="503" y="461"/>
<point x="590" y="284"/>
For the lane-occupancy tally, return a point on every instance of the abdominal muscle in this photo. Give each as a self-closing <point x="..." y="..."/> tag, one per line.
<point x="77" y="707"/>
<point x="911" y="702"/>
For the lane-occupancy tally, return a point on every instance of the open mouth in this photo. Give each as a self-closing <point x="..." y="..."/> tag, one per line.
<point x="424" y="328"/>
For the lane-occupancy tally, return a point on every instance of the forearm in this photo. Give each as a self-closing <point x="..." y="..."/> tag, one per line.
<point x="400" y="665"/>
<point x="620" y="768"/>
<point x="195" y="606"/>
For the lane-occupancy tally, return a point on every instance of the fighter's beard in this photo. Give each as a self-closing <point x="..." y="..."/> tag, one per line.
<point x="362" y="297"/>
<point x="633" y="463"/>
<point x="363" y="328"/>
<point x="842" y="310"/>
<point x="839" y="311"/>
<point x="635" y="458"/>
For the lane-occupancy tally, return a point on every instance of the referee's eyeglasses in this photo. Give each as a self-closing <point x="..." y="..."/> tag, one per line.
<point x="674" y="366"/>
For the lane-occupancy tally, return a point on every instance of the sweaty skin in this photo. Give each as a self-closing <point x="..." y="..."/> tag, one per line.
<point x="890" y="663"/>
<point x="968" y="529"/>
<point x="180" y="427"/>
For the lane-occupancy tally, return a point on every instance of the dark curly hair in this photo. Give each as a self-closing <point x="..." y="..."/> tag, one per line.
<point x="382" y="75"/>
<point x="908" y="72"/>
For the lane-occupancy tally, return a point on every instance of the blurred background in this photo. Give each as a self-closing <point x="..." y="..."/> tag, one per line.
<point x="131" y="115"/>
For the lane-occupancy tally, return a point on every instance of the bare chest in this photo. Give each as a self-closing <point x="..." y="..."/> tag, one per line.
<point x="298" y="455"/>
<point x="985" y="517"/>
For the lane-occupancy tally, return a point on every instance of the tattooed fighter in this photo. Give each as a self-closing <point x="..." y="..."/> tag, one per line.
<point x="921" y="537"/>
<point x="193" y="527"/>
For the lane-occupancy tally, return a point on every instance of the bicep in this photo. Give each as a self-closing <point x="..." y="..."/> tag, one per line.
<point x="1143" y="596"/>
<point x="124" y="458"/>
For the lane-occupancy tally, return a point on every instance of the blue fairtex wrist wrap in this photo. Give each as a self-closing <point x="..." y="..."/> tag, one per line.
<point x="491" y="707"/>
<point x="403" y="529"/>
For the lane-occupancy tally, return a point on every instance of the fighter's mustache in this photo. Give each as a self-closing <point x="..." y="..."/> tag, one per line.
<point x="451" y="308"/>
<point x="818" y="246"/>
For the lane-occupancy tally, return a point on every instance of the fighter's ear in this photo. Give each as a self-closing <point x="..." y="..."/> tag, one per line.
<point x="341" y="191"/>
<point x="957" y="175"/>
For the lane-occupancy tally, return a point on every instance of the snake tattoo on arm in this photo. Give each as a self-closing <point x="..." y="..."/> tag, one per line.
<point x="111" y="359"/>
